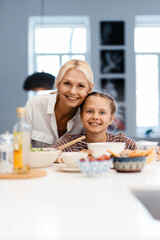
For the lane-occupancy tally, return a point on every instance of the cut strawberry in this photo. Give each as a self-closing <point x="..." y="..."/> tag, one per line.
<point x="103" y="157"/>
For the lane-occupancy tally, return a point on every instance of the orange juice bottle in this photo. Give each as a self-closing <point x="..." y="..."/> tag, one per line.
<point x="21" y="140"/>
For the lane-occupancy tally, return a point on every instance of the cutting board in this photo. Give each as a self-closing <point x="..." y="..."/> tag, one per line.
<point x="33" y="173"/>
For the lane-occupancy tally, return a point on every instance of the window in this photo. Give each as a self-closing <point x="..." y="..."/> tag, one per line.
<point x="55" y="40"/>
<point x="147" y="56"/>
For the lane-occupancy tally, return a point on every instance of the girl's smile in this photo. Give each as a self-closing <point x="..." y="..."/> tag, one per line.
<point x="96" y="115"/>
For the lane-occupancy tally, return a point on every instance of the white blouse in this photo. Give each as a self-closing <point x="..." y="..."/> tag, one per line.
<point x="41" y="118"/>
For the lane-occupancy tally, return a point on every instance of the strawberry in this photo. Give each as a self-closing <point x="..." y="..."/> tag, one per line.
<point x="91" y="158"/>
<point x="103" y="157"/>
<point x="82" y="160"/>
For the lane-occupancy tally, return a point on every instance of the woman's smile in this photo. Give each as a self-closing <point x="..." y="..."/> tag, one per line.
<point x="73" y="88"/>
<point x="72" y="98"/>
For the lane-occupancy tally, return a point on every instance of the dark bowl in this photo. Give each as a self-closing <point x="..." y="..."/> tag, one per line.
<point x="129" y="164"/>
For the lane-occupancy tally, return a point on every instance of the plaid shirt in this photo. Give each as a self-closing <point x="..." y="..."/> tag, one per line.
<point x="120" y="137"/>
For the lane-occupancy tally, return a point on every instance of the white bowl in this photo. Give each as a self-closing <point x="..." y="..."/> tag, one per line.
<point x="43" y="158"/>
<point x="71" y="158"/>
<point x="101" y="148"/>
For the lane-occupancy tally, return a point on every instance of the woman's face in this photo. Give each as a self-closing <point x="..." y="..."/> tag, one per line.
<point x="96" y="115"/>
<point x="73" y="88"/>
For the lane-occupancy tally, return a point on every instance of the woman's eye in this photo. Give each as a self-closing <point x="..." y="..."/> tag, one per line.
<point x="81" y="86"/>
<point x="66" y="83"/>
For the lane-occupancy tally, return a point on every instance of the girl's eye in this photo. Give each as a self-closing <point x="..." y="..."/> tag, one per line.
<point x="89" y="111"/>
<point x="102" y="113"/>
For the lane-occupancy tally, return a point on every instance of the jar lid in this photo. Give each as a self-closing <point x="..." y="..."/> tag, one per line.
<point x="6" y="138"/>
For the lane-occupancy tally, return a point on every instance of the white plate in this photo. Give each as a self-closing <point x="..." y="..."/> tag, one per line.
<point x="64" y="168"/>
<point x="67" y="169"/>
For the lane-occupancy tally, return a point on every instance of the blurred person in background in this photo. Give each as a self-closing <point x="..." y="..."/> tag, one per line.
<point x="38" y="82"/>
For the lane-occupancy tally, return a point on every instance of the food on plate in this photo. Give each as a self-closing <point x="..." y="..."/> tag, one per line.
<point x="142" y="153"/>
<point x="37" y="150"/>
<point x="91" y="158"/>
<point x="149" y="153"/>
<point x="133" y="153"/>
<point x="125" y="152"/>
<point x="42" y="149"/>
<point x="104" y="157"/>
<point x="92" y="165"/>
<point x="113" y="154"/>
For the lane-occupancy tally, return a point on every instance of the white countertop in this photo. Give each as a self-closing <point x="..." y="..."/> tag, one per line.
<point x="72" y="206"/>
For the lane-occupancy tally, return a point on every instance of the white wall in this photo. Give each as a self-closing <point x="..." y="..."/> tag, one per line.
<point x="14" y="45"/>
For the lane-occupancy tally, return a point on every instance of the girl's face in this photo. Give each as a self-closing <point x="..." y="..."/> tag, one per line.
<point x="96" y="115"/>
<point x="73" y="88"/>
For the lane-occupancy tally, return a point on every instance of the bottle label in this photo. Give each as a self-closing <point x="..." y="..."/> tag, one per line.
<point x="4" y="156"/>
<point x="17" y="143"/>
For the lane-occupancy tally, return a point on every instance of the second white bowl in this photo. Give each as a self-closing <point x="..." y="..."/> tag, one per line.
<point x="101" y="148"/>
<point x="45" y="158"/>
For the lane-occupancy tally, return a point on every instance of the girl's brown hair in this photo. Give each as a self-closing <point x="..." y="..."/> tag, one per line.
<point x="106" y="96"/>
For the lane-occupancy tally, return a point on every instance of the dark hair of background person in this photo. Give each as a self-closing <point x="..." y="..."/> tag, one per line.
<point x="39" y="80"/>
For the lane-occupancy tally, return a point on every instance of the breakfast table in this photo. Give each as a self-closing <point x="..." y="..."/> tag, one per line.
<point x="67" y="205"/>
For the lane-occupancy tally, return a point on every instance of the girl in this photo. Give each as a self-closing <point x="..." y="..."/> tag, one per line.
<point x="53" y="116"/>
<point x="97" y="113"/>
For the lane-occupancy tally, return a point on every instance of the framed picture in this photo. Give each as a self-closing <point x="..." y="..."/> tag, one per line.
<point x="112" y="61"/>
<point x="112" y="33"/>
<point x="114" y="87"/>
<point x="119" y="122"/>
<point x="121" y="118"/>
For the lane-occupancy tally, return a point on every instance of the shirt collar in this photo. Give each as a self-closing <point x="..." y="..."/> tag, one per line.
<point x="51" y="103"/>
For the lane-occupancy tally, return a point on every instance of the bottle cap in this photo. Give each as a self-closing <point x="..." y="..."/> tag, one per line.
<point x="20" y="110"/>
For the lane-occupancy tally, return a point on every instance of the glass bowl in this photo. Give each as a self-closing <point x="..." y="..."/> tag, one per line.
<point x="94" y="167"/>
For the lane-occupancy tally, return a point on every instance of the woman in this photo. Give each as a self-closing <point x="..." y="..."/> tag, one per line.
<point x="53" y="116"/>
<point x="97" y="114"/>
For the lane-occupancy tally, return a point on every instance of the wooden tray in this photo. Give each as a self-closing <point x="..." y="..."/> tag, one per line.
<point x="33" y="173"/>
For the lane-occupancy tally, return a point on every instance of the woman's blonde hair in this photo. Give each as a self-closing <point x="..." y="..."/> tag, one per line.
<point x="80" y="65"/>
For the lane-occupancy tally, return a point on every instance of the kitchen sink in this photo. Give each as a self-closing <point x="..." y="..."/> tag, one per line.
<point x="151" y="200"/>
